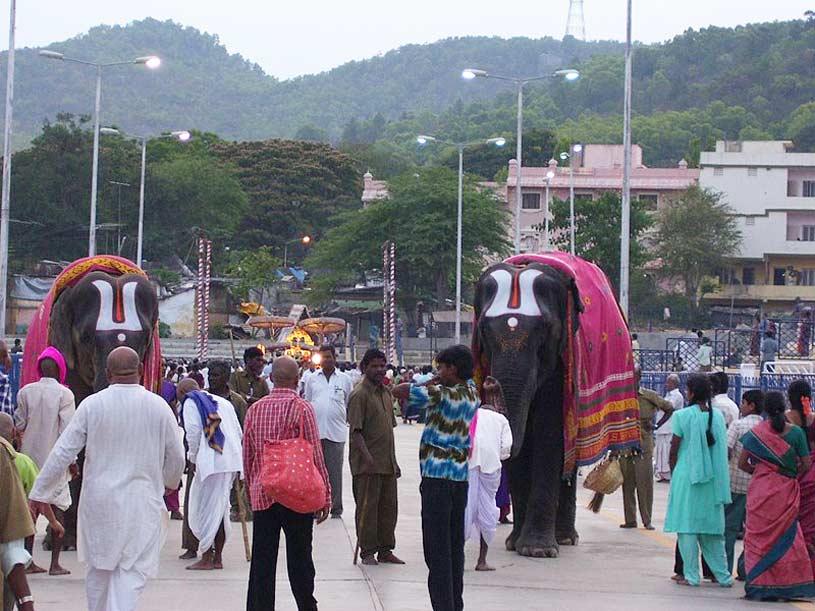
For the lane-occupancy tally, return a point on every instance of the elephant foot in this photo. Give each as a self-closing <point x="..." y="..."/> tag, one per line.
<point x="568" y="539"/>
<point x="511" y="541"/>
<point x="537" y="547"/>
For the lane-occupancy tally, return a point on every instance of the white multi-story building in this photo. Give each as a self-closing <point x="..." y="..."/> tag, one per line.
<point x="772" y="191"/>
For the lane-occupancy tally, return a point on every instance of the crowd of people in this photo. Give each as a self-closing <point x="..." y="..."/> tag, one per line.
<point x="214" y="423"/>
<point x="734" y="472"/>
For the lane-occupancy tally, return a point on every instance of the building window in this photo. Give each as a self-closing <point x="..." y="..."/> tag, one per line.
<point x="808" y="233"/>
<point x="809" y="188"/>
<point x="718" y="171"/>
<point x="727" y="275"/>
<point x="650" y="201"/>
<point x="531" y="201"/>
<point x="752" y="171"/>
<point x="732" y="146"/>
<point x="808" y="277"/>
<point x="748" y="275"/>
<point x="750" y="220"/>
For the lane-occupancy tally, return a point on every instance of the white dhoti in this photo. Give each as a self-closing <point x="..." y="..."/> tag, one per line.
<point x="116" y="590"/>
<point x="209" y="507"/>
<point x="662" y="452"/>
<point x="481" y="515"/>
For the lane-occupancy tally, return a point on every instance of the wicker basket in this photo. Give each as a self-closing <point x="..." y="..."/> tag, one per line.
<point x="606" y="477"/>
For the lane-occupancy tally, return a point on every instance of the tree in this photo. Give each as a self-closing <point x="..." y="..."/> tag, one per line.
<point x="696" y="233"/>
<point x="254" y="270"/>
<point x="420" y="217"/>
<point x="597" y="235"/>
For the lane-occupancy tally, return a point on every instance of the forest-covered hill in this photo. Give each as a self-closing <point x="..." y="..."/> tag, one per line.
<point x="766" y="69"/>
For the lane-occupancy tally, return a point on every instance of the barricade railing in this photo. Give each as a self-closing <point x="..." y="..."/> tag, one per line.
<point x="685" y="353"/>
<point x="655" y="380"/>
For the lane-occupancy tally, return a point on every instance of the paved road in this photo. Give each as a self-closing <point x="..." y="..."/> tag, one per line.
<point x="611" y="569"/>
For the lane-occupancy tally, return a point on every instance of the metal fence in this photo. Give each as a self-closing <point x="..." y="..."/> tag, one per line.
<point x="655" y="380"/>
<point x="685" y="353"/>
<point x="795" y="340"/>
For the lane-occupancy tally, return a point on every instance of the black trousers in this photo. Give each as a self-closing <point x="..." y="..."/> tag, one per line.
<point x="443" y="504"/>
<point x="298" y="528"/>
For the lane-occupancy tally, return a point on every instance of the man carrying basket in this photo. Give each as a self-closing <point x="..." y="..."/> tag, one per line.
<point x="287" y="488"/>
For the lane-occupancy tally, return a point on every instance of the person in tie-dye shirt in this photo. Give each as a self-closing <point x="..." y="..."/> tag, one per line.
<point x="450" y="401"/>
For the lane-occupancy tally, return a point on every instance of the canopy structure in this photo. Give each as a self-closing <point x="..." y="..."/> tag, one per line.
<point x="272" y="323"/>
<point x="322" y="326"/>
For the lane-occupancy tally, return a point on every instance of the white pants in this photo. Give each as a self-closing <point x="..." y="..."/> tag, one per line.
<point x="209" y="507"/>
<point x="481" y="515"/>
<point x="116" y="590"/>
<point x="662" y="453"/>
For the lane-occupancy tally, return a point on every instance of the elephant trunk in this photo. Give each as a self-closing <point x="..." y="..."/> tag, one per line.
<point x="519" y="387"/>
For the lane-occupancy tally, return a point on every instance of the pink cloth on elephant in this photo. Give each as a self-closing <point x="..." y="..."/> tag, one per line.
<point x="600" y="408"/>
<point x="56" y="356"/>
<point x="37" y="338"/>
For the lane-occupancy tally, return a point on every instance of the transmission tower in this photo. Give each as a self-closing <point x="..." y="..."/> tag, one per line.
<point x="575" y="25"/>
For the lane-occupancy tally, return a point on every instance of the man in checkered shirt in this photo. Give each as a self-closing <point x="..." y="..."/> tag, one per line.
<point x="277" y="416"/>
<point x="752" y="404"/>
<point x="6" y="405"/>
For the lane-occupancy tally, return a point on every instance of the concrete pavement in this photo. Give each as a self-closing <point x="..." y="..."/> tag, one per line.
<point x="612" y="569"/>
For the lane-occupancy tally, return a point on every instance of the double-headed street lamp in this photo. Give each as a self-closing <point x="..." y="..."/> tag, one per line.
<point x="422" y="139"/>
<point x="568" y="74"/>
<point x="152" y="62"/>
<point x="549" y="176"/>
<point x="182" y="135"/>
<point x="575" y="149"/>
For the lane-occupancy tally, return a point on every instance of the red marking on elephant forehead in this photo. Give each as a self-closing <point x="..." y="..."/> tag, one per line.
<point x="515" y="295"/>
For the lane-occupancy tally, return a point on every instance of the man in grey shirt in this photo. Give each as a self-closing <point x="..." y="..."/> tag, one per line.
<point x="769" y="348"/>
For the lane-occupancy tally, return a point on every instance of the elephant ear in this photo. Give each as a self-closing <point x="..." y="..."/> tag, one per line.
<point x="60" y="331"/>
<point x="573" y="308"/>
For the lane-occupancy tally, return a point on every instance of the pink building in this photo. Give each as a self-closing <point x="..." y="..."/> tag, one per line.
<point x="599" y="168"/>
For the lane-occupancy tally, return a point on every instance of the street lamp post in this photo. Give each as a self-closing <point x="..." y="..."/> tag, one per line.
<point x="549" y="176"/>
<point x="625" y="221"/>
<point x="576" y="148"/>
<point x="459" y="210"/>
<point x="472" y="73"/>
<point x="5" y="199"/>
<point x="151" y="61"/>
<point x="182" y="135"/>
<point x="306" y="239"/>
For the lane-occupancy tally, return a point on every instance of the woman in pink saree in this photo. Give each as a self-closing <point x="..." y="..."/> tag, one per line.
<point x="800" y="396"/>
<point x="776" y="559"/>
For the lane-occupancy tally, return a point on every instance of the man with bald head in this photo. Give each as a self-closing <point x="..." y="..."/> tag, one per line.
<point x="132" y="456"/>
<point x="279" y="416"/>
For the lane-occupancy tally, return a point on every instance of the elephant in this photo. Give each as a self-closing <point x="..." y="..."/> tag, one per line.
<point x="521" y="331"/>
<point x="98" y="313"/>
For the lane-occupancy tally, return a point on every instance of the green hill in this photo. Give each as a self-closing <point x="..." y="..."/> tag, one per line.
<point x="767" y="69"/>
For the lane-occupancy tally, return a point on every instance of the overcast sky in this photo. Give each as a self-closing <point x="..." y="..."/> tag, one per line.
<point x="292" y="38"/>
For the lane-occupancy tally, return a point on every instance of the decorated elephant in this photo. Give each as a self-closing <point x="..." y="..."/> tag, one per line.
<point x="95" y="305"/>
<point x="548" y="327"/>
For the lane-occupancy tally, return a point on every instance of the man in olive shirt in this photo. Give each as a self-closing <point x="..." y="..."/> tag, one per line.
<point x="248" y="383"/>
<point x="638" y="469"/>
<point x="372" y="455"/>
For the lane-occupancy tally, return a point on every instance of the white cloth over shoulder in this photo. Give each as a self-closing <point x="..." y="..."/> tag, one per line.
<point x="729" y="409"/>
<point x="492" y="443"/>
<point x="132" y="453"/>
<point x="214" y="471"/>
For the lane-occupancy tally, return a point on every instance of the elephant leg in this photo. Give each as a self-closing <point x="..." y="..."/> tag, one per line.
<point x="519" y="485"/>
<point x="537" y="537"/>
<point x="565" y="523"/>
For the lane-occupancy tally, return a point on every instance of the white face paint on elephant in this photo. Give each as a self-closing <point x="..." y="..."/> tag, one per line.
<point x="125" y="317"/>
<point x="514" y="295"/>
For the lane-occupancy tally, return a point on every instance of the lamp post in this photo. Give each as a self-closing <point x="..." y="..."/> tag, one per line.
<point x="5" y="202"/>
<point x="306" y="239"/>
<point x="625" y="221"/>
<point x="422" y="140"/>
<point x="152" y="62"/>
<point x="472" y="73"/>
<point x="576" y="148"/>
<point x="549" y="176"/>
<point x="182" y="135"/>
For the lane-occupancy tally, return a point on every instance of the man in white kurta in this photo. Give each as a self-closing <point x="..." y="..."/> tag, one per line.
<point x="663" y="431"/>
<point x="132" y="454"/>
<point x="208" y="511"/>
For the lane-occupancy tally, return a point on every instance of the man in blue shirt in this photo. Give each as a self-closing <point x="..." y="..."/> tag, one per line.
<point x="443" y="459"/>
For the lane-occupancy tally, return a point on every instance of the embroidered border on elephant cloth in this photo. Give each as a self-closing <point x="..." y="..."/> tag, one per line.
<point x="600" y="407"/>
<point x="37" y="338"/>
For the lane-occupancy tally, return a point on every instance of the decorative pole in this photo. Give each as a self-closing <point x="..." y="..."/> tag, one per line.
<point x="385" y="298"/>
<point x="207" y="284"/>
<point x="199" y="299"/>
<point x="392" y="299"/>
